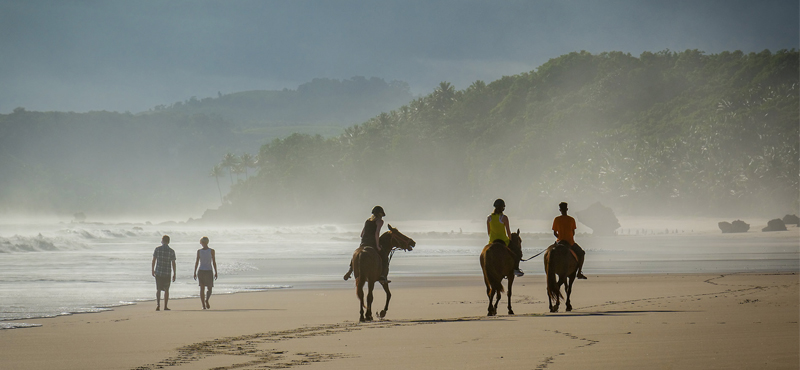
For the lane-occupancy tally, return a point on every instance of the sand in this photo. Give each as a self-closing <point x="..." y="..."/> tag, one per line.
<point x="697" y="321"/>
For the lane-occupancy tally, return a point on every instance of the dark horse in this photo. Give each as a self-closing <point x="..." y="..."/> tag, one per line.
<point x="366" y="266"/>
<point x="497" y="262"/>
<point x="561" y="262"/>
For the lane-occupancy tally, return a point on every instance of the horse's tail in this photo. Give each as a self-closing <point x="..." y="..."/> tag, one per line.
<point x="491" y="275"/>
<point x="553" y="292"/>
<point x="359" y="277"/>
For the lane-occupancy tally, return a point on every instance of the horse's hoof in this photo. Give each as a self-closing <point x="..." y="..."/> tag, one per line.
<point x="569" y="308"/>
<point x="382" y="314"/>
<point x="510" y="312"/>
<point x="362" y="319"/>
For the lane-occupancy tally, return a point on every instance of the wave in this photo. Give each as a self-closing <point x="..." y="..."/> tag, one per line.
<point x="37" y="243"/>
<point x="17" y="325"/>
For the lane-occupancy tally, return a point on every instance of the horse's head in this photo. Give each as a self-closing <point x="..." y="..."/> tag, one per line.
<point x="516" y="240"/>
<point x="401" y="241"/>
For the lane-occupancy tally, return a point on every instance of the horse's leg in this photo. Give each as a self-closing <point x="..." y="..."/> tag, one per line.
<point x="568" y="288"/>
<point x="497" y="295"/>
<point x="385" y="286"/>
<point x="360" y="293"/>
<point x="370" y="287"/>
<point x="490" y="293"/>
<point x="510" y="283"/>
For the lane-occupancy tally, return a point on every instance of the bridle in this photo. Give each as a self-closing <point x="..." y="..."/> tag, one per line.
<point x="399" y="240"/>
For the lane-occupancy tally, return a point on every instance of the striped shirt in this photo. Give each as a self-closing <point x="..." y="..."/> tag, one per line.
<point x="164" y="256"/>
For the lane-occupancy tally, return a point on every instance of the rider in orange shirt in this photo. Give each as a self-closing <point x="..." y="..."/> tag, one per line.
<point x="564" y="230"/>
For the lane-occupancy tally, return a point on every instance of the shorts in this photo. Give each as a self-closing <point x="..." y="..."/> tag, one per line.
<point x="162" y="282"/>
<point x="205" y="278"/>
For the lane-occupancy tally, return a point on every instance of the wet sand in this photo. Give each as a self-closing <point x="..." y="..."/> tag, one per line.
<point x="669" y="321"/>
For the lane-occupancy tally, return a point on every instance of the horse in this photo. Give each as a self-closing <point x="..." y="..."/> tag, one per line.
<point x="366" y="266"/>
<point x="497" y="262"/>
<point x="559" y="261"/>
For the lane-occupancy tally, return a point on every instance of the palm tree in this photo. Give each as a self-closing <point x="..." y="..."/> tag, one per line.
<point x="239" y="169"/>
<point x="216" y="172"/>
<point x="248" y="161"/>
<point x="230" y="161"/>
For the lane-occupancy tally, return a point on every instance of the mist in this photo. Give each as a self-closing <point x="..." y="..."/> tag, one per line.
<point x="463" y="102"/>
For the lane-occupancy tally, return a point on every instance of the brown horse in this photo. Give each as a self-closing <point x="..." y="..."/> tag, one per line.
<point x="367" y="267"/>
<point x="561" y="262"/>
<point x="497" y="262"/>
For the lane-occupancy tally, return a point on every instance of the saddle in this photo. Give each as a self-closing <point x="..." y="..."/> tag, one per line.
<point x="501" y="243"/>
<point x="563" y="243"/>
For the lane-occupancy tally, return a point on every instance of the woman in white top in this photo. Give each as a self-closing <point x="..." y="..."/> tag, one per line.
<point x="206" y="260"/>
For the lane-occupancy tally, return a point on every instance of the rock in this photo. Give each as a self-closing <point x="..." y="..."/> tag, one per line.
<point x="737" y="226"/>
<point x="740" y="226"/>
<point x="775" y="225"/>
<point x="791" y="220"/>
<point x="599" y="218"/>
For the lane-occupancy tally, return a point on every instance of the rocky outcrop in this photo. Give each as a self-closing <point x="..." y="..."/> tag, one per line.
<point x="599" y="218"/>
<point x="737" y="226"/>
<point x="791" y="220"/>
<point x="775" y="225"/>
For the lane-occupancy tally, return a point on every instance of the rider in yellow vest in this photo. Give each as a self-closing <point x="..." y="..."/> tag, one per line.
<point x="497" y="226"/>
<point x="564" y="230"/>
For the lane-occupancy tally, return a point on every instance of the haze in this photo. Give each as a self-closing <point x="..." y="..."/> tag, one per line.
<point x="134" y="55"/>
<point x="121" y="109"/>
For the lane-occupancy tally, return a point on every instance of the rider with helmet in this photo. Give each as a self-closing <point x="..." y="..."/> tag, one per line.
<point x="497" y="226"/>
<point x="370" y="237"/>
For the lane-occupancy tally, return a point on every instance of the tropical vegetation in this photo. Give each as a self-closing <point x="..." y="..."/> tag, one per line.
<point x="663" y="133"/>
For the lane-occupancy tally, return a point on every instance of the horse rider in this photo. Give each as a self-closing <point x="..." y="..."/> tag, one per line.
<point x="564" y="231"/>
<point x="497" y="226"/>
<point x="370" y="237"/>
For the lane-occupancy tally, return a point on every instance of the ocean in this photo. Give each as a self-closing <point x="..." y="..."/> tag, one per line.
<point x="52" y="269"/>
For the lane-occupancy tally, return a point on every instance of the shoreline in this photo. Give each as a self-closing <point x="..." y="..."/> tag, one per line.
<point x="739" y="320"/>
<point x="405" y="281"/>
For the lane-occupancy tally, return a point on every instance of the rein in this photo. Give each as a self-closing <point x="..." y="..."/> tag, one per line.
<point x="534" y="256"/>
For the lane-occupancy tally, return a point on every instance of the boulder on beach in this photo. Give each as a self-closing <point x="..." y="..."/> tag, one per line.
<point x="791" y="220"/>
<point x="737" y="226"/>
<point x="599" y="218"/>
<point x="775" y="225"/>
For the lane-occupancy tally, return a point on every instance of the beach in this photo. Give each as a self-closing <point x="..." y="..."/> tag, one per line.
<point x="655" y="321"/>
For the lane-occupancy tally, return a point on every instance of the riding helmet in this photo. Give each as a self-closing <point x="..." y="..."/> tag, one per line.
<point x="378" y="209"/>
<point x="499" y="203"/>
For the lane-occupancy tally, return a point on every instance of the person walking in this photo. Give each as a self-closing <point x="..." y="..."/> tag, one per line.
<point x="163" y="264"/>
<point x="207" y="272"/>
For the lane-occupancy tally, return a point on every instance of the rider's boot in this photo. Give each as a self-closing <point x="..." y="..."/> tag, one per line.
<point x="580" y="271"/>
<point x="517" y="270"/>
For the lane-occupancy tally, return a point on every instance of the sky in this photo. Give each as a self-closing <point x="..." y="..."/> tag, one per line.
<point x="134" y="55"/>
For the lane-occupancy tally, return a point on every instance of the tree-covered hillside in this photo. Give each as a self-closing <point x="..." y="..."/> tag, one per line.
<point x="663" y="133"/>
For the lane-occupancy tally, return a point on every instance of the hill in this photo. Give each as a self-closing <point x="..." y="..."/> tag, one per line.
<point x="158" y="162"/>
<point x="663" y="133"/>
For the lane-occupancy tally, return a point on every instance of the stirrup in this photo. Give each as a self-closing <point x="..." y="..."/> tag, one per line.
<point x="519" y="272"/>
